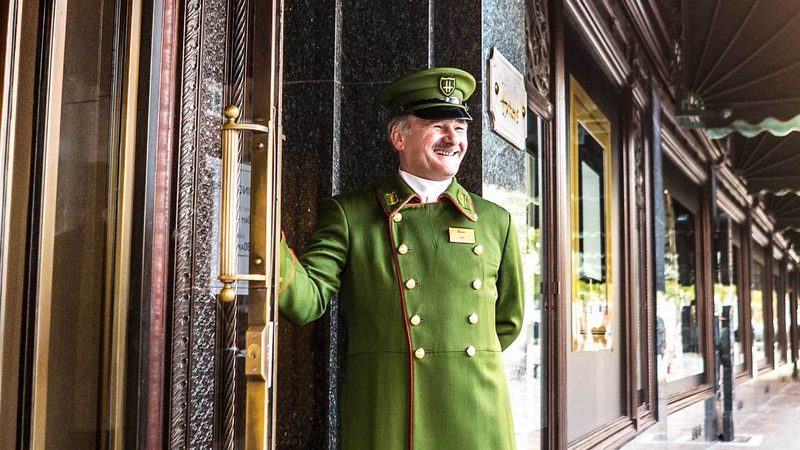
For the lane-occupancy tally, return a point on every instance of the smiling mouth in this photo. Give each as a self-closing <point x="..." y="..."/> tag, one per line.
<point x="444" y="152"/>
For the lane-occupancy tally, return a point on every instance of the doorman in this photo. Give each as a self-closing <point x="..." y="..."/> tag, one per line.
<point x="430" y="280"/>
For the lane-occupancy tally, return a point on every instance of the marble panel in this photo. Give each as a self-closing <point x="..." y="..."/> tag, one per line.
<point x="309" y="40"/>
<point x="457" y="35"/>
<point x="309" y="128"/>
<point x="366" y="155"/>
<point x="307" y="155"/>
<point x="470" y="174"/>
<point x="383" y="40"/>
<point x="504" y="29"/>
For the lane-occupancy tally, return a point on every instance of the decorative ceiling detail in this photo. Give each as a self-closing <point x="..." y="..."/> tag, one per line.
<point x="767" y="163"/>
<point x="785" y="209"/>
<point x="742" y="67"/>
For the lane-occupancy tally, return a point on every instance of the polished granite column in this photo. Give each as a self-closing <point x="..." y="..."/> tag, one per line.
<point x="503" y="165"/>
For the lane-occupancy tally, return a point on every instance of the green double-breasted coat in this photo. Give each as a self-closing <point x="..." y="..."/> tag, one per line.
<point x="427" y="318"/>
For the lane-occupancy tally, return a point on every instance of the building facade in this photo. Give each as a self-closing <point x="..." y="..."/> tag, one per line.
<point x="655" y="197"/>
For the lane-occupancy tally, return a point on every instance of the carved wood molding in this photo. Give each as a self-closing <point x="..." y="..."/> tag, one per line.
<point x="660" y="27"/>
<point x="537" y="53"/>
<point x="731" y="207"/>
<point x="760" y="236"/>
<point x="733" y="186"/>
<point x="761" y="220"/>
<point x="191" y="420"/>
<point x="678" y="153"/>
<point x="604" y="32"/>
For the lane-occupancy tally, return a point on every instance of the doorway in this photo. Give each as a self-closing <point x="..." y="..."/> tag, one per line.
<point x="69" y="263"/>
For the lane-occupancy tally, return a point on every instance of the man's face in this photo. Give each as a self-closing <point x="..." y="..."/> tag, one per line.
<point x="431" y="149"/>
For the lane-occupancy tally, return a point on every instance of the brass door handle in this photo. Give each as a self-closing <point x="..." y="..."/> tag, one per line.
<point x="229" y="186"/>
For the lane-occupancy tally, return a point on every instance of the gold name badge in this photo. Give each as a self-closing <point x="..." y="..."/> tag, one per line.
<point x="462" y="235"/>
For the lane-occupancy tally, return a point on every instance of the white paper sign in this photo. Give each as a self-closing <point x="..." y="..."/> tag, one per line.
<point x="242" y="228"/>
<point x="508" y="108"/>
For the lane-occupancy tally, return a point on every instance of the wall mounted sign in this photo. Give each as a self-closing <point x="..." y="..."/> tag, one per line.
<point x="508" y="108"/>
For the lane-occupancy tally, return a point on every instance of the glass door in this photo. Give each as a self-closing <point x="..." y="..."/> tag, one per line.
<point x="248" y="229"/>
<point x="79" y="233"/>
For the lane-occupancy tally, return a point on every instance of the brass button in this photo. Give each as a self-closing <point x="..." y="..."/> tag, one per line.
<point x="473" y="318"/>
<point x="419" y="353"/>
<point x="397" y="217"/>
<point x="411" y="283"/>
<point x="402" y="249"/>
<point x="476" y="284"/>
<point x="415" y="320"/>
<point x="478" y="249"/>
<point x="471" y="351"/>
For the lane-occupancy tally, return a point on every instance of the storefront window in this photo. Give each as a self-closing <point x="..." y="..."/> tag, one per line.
<point x="757" y="312"/>
<point x="591" y="302"/>
<point x="726" y="287"/>
<point x="788" y="317"/>
<point x="776" y="348"/>
<point x="679" y="309"/>
<point x="738" y="348"/>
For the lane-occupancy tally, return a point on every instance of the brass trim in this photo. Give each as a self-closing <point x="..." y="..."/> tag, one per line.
<point x="121" y="233"/>
<point x="229" y="205"/>
<point x="16" y="125"/>
<point x="44" y="282"/>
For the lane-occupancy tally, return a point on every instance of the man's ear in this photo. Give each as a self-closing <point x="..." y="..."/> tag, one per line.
<point x="398" y="139"/>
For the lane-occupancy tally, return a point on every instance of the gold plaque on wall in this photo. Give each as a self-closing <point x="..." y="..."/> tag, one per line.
<point x="507" y="100"/>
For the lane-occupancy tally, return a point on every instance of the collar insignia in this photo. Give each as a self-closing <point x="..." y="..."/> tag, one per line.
<point x="447" y="85"/>
<point x="391" y="198"/>
<point x="463" y="200"/>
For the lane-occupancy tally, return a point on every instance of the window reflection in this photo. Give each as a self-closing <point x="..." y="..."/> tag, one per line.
<point x="757" y="312"/>
<point x="738" y="348"/>
<point x="775" y="339"/>
<point x="726" y="285"/>
<point x="590" y="161"/>
<point x="679" y="309"/>
<point x="787" y="309"/>
<point x="523" y="359"/>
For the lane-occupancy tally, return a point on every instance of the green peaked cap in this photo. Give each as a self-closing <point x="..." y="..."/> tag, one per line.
<point x="438" y="93"/>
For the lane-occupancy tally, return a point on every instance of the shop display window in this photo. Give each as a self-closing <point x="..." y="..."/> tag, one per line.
<point x="524" y="358"/>
<point x="679" y="309"/>
<point x="757" y="300"/>
<point x="590" y="169"/>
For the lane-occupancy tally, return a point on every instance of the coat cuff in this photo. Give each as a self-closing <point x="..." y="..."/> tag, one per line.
<point x="288" y="266"/>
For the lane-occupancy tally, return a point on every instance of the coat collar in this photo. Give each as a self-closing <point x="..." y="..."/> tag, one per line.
<point x="393" y="194"/>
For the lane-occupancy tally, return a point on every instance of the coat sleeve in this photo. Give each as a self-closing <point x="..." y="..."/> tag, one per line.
<point x="510" y="304"/>
<point x="307" y="283"/>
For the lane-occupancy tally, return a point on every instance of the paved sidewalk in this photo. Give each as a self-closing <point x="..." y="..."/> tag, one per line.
<point x="774" y="426"/>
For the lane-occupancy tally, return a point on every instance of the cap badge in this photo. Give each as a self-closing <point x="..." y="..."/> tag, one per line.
<point x="391" y="198"/>
<point x="447" y="85"/>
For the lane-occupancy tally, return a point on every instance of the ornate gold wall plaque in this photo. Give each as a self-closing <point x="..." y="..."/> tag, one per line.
<point x="507" y="100"/>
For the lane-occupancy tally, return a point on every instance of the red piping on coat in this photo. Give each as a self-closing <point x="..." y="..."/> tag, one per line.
<point x="458" y="206"/>
<point x="408" y="336"/>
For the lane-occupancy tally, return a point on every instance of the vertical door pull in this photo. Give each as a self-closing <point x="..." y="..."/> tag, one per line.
<point x="230" y="172"/>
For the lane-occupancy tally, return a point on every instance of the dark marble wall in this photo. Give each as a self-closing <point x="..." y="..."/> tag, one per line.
<point x="338" y="54"/>
<point x="503" y="165"/>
